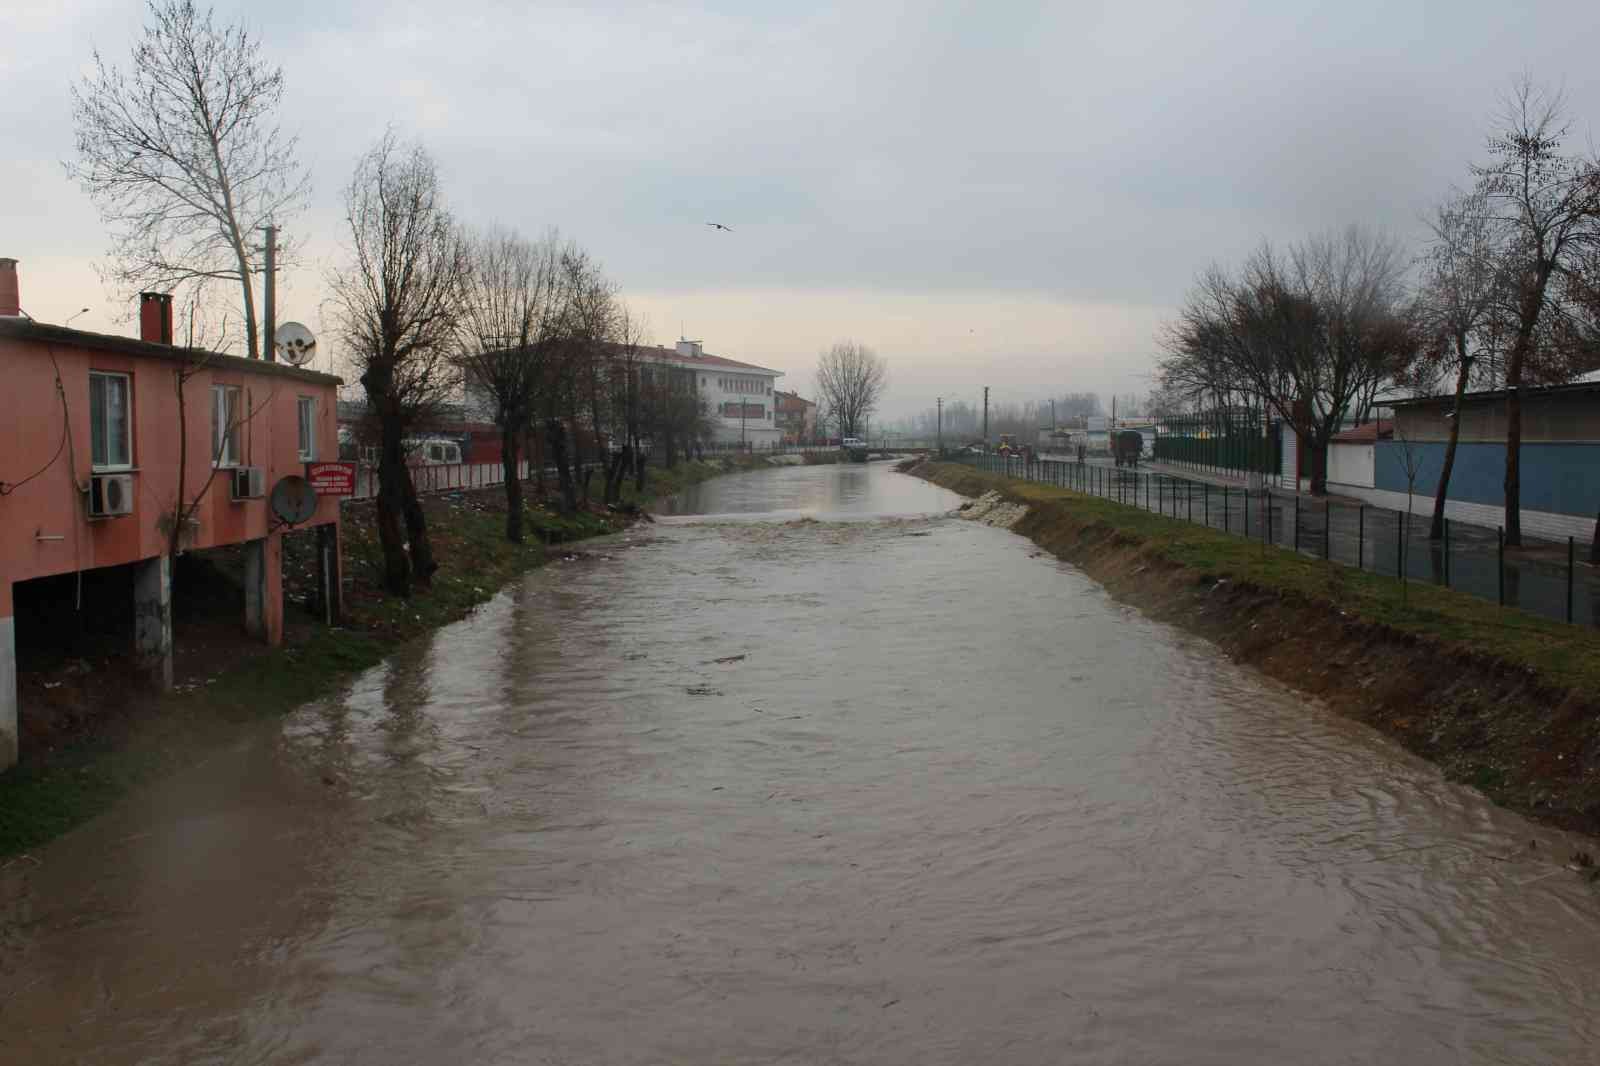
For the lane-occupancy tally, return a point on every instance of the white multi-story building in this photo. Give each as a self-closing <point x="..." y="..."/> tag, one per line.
<point x="738" y="396"/>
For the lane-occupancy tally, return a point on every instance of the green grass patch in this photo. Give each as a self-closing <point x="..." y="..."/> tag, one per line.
<point x="1566" y="656"/>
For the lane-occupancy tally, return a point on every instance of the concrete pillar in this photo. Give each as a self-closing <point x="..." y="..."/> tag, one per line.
<point x="152" y="617"/>
<point x="263" y="588"/>
<point x="8" y="679"/>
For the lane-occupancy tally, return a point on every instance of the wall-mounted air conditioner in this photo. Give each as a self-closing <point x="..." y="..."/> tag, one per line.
<point x="110" y="495"/>
<point x="249" y="483"/>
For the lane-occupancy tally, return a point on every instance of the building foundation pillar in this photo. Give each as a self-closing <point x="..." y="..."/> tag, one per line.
<point x="8" y="679"/>
<point x="152" y="618"/>
<point x="263" y="588"/>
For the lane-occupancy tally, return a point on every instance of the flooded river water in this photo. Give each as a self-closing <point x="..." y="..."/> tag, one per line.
<point x="890" y="790"/>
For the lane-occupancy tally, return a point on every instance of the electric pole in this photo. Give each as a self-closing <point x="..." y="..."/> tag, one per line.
<point x="940" y="404"/>
<point x="271" y="301"/>
<point x="986" y="418"/>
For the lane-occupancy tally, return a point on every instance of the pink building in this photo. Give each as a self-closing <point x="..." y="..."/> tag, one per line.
<point x="89" y="456"/>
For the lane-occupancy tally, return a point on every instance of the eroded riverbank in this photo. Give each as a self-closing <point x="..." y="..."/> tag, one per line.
<point x="896" y="789"/>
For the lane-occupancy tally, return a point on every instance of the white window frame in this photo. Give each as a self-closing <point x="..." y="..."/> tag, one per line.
<point x="229" y="455"/>
<point x="105" y="430"/>
<point x="305" y="409"/>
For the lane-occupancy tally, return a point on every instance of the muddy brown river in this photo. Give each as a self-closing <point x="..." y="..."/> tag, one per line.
<point x="823" y="778"/>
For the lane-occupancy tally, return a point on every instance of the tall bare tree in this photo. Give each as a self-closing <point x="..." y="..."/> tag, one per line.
<point x="851" y="379"/>
<point x="627" y="402"/>
<point x="398" y="307"/>
<point x="1311" y="333"/>
<point x="592" y="331"/>
<point x="183" y="157"/>
<point x="1549" y="205"/>
<point x="515" y="312"/>
<point x="1458" y="317"/>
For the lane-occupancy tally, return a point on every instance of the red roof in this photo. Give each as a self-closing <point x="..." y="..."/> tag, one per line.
<point x="1366" y="433"/>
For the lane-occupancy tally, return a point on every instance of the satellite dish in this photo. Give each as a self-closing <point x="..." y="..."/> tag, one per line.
<point x="294" y="343"/>
<point x="293" y="500"/>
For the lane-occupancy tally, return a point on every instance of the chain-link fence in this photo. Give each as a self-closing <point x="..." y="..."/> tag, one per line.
<point x="1542" y="577"/>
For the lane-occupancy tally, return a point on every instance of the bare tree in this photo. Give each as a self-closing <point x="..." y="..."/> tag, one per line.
<point x="850" y="381"/>
<point x="514" y="313"/>
<point x="182" y="156"/>
<point x="592" y="322"/>
<point x="1311" y="333"/>
<point x="1549" y="204"/>
<point x="627" y="408"/>
<point x="398" y="308"/>
<point x="1457" y="315"/>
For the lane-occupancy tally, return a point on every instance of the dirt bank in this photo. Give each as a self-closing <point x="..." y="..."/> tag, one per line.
<point x="1501" y="700"/>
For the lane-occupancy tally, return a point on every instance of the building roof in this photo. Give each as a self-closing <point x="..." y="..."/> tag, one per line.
<point x="658" y="354"/>
<point x="1366" y="433"/>
<point x="1488" y="395"/>
<point x="24" y="329"/>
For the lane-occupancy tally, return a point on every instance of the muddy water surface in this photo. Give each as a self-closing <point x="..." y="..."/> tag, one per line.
<point x="887" y="791"/>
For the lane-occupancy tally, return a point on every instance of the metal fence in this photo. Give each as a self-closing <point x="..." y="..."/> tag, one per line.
<point x="1542" y="577"/>
<point x="1237" y="441"/>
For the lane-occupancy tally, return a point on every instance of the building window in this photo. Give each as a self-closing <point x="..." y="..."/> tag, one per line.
<point x="110" y="427"/>
<point x="306" y="407"/>
<point x="225" y="420"/>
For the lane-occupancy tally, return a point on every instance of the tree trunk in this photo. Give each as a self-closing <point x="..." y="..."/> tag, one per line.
<point x="509" y="466"/>
<point x="1436" y="528"/>
<point x="1527" y="321"/>
<point x="391" y="504"/>
<point x="639" y="461"/>
<point x="1513" y="481"/>
<point x="537" y="447"/>
<point x="1319" y="469"/>
<point x="621" y="463"/>
<point x="423" y="564"/>
<point x="555" y="435"/>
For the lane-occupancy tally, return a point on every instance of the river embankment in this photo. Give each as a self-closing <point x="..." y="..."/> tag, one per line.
<point x="1502" y="700"/>
<point x="93" y="729"/>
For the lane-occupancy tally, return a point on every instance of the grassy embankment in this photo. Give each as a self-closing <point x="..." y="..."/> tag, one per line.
<point x="135" y="738"/>
<point x="1503" y="700"/>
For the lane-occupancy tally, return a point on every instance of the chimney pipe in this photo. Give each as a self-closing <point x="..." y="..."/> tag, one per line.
<point x="10" y="293"/>
<point x="155" y="317"/>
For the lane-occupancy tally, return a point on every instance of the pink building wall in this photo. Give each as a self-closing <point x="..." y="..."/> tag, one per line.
<point x="44" y="526"/>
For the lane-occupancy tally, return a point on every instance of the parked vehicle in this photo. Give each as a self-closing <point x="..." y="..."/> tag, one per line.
<point x="432" y="451"/>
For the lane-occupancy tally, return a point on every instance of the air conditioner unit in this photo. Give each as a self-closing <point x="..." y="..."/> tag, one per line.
<point x="249" y="483"/>
<point x="110" y="495"/>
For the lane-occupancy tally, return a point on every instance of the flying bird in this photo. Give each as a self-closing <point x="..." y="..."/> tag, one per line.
<point x="718" y="225"/>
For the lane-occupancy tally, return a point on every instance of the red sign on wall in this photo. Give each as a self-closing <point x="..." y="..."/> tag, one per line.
<point x="332" y="479"/>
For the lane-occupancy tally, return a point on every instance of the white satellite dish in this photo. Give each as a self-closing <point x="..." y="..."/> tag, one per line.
<point x="295" y="344"/>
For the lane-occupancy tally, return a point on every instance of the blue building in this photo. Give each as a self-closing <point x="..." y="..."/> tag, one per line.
<point x="1560" y="472"/>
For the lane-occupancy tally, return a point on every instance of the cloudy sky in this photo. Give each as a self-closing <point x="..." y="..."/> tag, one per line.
<point x="988" y="193"/>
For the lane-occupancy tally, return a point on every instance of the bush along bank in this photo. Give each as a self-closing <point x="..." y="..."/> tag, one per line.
<point x="106" y="732"/>
<point x="1504" y="701"/>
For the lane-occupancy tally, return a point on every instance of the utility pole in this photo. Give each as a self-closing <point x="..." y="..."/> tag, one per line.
<point x="1052" y="417"/>
<point x="986" y="418"/>
<point x="271" y="301"/>
<point x="940" y="405"/>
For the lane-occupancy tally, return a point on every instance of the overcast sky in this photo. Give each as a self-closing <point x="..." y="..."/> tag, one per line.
<point x="986" y="193"/>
